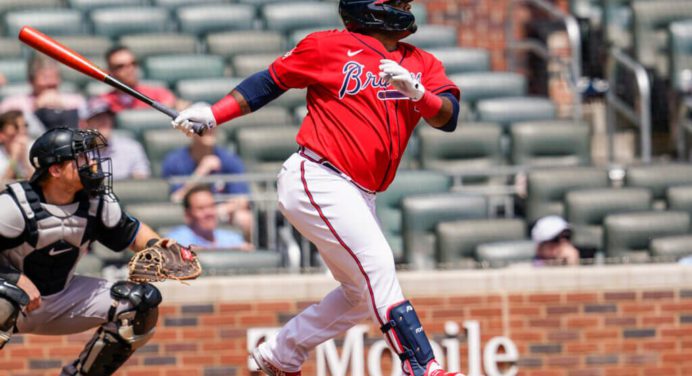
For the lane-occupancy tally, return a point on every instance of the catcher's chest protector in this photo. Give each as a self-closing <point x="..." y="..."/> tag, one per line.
<point x="54" y="237"/>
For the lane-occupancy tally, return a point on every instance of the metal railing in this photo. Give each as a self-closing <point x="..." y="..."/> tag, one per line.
<point x="573" y="68"/>
<point x="641" y="117"/>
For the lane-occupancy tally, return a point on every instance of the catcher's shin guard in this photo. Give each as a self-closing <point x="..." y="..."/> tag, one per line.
<point x="11" y="300"/>
<point x="412" y="344"/>
<point x="116" y="340"/>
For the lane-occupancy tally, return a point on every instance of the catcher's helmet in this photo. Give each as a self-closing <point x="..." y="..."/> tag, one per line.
<point x="377" y="15"/>
<point x="82" y="146"/>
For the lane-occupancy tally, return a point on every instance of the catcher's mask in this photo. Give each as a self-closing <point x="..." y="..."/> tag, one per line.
<point x="79" y="145"/>
<point x="379" y="15"/>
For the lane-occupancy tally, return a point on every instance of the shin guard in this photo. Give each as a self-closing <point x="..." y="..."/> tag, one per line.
<point x="405" y="328"/>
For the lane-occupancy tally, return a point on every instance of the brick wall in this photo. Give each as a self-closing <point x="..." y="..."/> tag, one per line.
<point x="563" y="322"/>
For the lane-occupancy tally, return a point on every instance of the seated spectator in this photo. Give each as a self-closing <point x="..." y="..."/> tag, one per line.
<point x="127" y="155"/>
<point x="201" y="220"/>
<point x="553" y="238"/>
<point x="45" y="107"/>
<point x="14" y="148"/>
<point x="203" y="158"/>
<point x="123" y="66"/>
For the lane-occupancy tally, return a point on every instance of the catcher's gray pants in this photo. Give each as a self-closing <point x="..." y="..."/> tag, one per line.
<point x="82" y="305"/>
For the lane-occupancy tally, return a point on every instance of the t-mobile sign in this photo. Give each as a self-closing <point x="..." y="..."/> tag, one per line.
<point x="499" y="355"/>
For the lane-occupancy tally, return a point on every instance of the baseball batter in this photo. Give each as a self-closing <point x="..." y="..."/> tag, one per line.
<point x="46" y="225"/>
<point x="366" y="91"/>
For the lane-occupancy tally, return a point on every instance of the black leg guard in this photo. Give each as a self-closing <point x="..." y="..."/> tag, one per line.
<point x="408" y="332"/>
<point x="12" y="298"/>
<point x="116" y="340"/>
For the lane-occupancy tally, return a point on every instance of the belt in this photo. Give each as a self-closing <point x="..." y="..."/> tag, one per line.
<point x="314" y="157"/>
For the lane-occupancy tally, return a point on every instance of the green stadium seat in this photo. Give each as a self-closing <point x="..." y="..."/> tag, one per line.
<point x="658" y="178"/>
<point x="434" y="36"/>
<point x="300" y="34"/>
<point x="550" y="143"/>
<point x="229" y="44"/>
<point x="264" y="149"/>
<point x="671" y="248"/>
<point x="679" y="198"/>
<point x="89" y="265"/>
<point x="172" y="68"/>
<point x="292" y="99"/>
<point x="420" y="11"/>
<point x="458" y="240"/>
<point x="116" y="22"/>
<point x="618" y="20"/>
<point x="268" y="115"/>
<point x="389" y="202"/>
<point x="109" y="256"/>
<point x="22" y="88"/>
<point x="89" y="5"/>
<point x="49" y="21"/>
<point x="158" y="142"/>
<point x="421" y="213"/>
<point x="138" y="121"/>
<point x="476" y="86"/>
<point x="141" y="191"/>
<point x="158" y="215"/>
<point x="586" y="209"/>
<point x="497" y="254"/>
<point x="206" y="18"/>
<point x="9" y="48"/>
<point x="651" y="21"/>
<point x="218" y="262"/>
<point x="247" y="64"/>
<point x="515" y="109"/>
<point x="630" y="234"/>
<point x="14" y="70"/>
<point x="472" y="147"/>
<point x="207" y="90"/>
<point x="13" y="5"/>
<point x="175" y="4"/>
<point x="150" y="44"/>
<point x="289" y="16"/>
<point x="680" y="54"/>
<point x="458" y="60"/>
<point x="546" y="189"/>
<point x="87" y="45"/>
<point x="264" y="2"/>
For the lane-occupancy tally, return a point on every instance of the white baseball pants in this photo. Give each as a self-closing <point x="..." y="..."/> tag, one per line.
<point x="339" y="218"/>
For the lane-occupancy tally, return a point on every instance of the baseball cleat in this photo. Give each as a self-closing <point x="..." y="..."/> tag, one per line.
<point x="434" y="369"/>
<point x="268" y="368"/>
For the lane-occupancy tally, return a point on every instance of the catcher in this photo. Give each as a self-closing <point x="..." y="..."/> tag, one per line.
<point x="47" y="224"/>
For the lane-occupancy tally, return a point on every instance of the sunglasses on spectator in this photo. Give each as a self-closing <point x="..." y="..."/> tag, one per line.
<point x="133" y="63"/>
<point x="565" y="235"/>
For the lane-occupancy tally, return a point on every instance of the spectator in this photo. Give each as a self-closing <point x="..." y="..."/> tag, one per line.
<point x="553" y="238"/>
<point x="14" y="147"/>
<point x="123" y="65"/>
<point x="45" y="107"/>
<point x="202" y="223"/>
<point x="127" y="155"/>
<point x="203" y="158"/>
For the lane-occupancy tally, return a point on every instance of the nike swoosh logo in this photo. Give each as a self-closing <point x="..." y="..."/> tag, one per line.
<point x="53" y="252"/>
<point x="353" y="53"/>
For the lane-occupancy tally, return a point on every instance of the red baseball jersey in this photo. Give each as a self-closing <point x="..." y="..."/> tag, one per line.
<point x="356" y="121"/>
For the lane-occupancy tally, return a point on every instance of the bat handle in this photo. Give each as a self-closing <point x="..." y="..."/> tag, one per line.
<point x="198" y="128"/>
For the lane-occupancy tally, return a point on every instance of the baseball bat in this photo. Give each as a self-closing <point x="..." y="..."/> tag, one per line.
<point x="49" y="46"/>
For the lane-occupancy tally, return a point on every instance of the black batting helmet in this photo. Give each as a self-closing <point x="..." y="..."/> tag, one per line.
<point x="379" y="15"/>
<point x="83" y="146"/>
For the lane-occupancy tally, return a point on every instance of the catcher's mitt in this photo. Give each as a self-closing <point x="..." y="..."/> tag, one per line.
<point x="165" y="259"/>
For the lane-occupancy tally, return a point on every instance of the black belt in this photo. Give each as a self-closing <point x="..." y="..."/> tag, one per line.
<point x="314" y="157"/>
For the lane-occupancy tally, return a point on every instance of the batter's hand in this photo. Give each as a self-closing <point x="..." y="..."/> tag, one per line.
<point x="30" y="289"/>
<point x="194" y="114"/>
<point x="401" y="79"/>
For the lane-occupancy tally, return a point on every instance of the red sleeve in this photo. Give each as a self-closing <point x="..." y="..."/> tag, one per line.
<point x="299" y="67"/>
<point x="435" y="79"/>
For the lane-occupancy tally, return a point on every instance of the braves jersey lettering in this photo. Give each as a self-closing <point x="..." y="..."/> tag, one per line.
<point x="354" y="82"/>
<point x="355" y="119"/>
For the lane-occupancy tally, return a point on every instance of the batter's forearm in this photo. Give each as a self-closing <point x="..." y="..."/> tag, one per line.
<point x="443" y="115"/>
